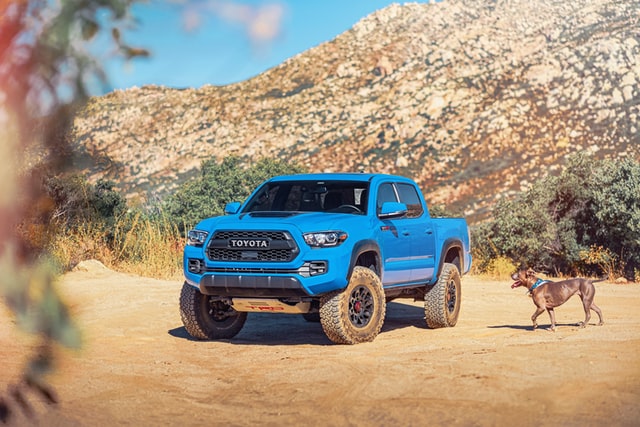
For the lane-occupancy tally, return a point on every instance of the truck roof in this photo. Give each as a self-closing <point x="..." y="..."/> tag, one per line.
<point x="346" y="176"/>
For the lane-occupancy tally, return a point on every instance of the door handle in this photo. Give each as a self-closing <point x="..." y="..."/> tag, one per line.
<point x="405" y="232"/>
<point x="428" y="231"/>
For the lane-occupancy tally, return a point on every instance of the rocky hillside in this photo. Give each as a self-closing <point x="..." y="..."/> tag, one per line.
<point x="475" y="99"/>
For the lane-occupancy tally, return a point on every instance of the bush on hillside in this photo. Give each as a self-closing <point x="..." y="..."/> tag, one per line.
<point x="76" y="201"/>
<point x="616" y="206"/>
<point x="69" y="203"/>
<point x="88" y="221"/>
<point x="219" y="184"/>
<point x="554" y="224"/>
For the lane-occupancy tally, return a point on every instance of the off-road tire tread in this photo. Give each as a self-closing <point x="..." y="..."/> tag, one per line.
<point x="435" y="309"/>
<point x="334" y="305"/>
<point x="193" y="319"/>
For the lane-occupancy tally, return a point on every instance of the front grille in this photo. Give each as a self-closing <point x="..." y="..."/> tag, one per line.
<point x="221" y="254"/>
<point x="250" y="234"/>
<point x="281" y="246"/>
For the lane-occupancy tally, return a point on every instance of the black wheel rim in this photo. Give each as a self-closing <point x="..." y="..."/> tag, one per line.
<point x="452" y="296"/>
<point x="361" y="305"/>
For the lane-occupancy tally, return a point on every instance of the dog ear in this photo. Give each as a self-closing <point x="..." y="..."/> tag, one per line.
<point x="531" y="272"/>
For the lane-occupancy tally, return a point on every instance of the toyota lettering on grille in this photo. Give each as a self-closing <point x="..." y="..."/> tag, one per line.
<point x="248" y="243"/>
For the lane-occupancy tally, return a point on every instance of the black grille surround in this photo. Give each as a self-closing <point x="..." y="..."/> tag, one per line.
<point x="280" y="246"/>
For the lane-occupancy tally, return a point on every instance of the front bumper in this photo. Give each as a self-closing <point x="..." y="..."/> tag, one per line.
<point x="289" y="268"/>
<point x="311" y="278"/>
<point x="252" y="286"/>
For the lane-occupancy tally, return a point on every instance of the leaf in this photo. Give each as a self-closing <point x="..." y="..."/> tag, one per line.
<point x="135" y="52"/>
<point x="115" y="33"/>
<point x="89" y="28"/>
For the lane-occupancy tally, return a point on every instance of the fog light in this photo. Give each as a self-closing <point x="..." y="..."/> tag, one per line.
<point x="195" y="266"/>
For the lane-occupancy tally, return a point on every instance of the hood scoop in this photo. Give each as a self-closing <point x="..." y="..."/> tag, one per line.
<point x="270" y="214"/>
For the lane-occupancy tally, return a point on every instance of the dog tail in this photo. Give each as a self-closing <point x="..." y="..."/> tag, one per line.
<point x="601" y="279"/>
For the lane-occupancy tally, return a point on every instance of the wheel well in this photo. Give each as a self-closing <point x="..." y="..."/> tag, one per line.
<point x="453" y="256"/>
<point x="369" y="260"/>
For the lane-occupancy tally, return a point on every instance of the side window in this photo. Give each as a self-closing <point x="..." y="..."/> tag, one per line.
<point x="409" y="196"/>
<point x="385" y="194"/>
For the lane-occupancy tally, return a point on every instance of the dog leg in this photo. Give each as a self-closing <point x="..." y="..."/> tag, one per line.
<point x="586" y="303"/>
<point x="538" y="312"/>
<point x="598" y="312"/>
<point x="552" y="316"/>
<point x="588" y="292"/>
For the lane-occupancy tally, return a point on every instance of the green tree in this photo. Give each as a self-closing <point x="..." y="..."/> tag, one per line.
<point x="522" y="227"/>
<point x="219" y="184"/>
<point x="76" y="201"/>
<point x="616" y="207"/>
<point x="561" y="218"/>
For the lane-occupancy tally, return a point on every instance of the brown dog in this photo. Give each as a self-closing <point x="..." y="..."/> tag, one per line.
<point x="547" y="295"/>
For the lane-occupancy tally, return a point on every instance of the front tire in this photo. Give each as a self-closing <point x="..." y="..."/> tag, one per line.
<point x="205" y="318"/>
<point x="356" y="313"/>
<point x="442" y="300"/>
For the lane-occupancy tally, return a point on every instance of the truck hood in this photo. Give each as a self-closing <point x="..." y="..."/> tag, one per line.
<point x="302" y="221"/>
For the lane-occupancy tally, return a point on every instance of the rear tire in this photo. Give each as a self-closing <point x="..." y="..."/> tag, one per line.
<point x="356" y="313"/>
<point x="204" y="318"/>
<point x="442" y="300"/>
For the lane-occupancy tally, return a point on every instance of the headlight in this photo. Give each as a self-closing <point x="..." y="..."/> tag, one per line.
<point x="196" y="237"/>
<point x="325" y="239"/>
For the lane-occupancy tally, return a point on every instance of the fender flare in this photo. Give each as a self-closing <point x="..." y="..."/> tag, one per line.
<point x="450" y="243"/>
<point x="361" y="247"/>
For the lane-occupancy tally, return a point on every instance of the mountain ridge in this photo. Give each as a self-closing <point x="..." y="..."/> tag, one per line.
<point x="473" y="99"/>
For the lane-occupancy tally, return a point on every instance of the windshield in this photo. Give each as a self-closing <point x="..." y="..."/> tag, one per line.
<point x="310" y="196"/>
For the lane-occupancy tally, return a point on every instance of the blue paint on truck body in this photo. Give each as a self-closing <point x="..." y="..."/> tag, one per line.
<point x="300" y="236"/>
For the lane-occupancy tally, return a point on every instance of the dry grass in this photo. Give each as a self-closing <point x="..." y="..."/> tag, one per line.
<point x="150" y="249"/>
<point x="133" y="245"/>
<point x="500" y="268"/>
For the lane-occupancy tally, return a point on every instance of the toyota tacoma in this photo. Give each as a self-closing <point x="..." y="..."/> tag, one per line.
<point x="332" y="247"/>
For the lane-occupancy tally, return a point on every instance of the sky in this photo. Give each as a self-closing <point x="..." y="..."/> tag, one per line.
<point x="219" y="42"/>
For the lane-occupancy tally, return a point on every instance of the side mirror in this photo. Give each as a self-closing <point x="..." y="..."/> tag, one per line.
<point x="392" y="210"/>
<point x="232" y="208"/>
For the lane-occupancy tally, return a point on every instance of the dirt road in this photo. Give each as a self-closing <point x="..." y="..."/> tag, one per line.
<point x="139" y="367"/>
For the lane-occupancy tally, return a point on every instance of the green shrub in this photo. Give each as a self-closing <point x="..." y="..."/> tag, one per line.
<point x="219" y="184"/>
<point x="76" y="201"/>
<point x="616" y="209"/>
<point x="555" y="223"/>
<point x="487" y="258"/>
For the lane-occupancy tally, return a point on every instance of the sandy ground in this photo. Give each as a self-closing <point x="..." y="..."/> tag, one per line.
<point x="139" y="367"/>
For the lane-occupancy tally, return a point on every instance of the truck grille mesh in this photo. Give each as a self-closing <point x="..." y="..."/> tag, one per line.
<point x="273" y="235"/>
<point x="282" y="247"/>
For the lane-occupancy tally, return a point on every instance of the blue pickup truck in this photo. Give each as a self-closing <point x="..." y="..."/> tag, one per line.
<point x="334" y="248"/>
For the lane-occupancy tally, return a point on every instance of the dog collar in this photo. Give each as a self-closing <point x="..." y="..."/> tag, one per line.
<point x="539" y="282"/>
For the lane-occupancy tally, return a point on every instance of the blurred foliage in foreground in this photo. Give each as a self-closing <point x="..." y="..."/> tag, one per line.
<point x="47" y="70"/>
<point x="45" y="74"/>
